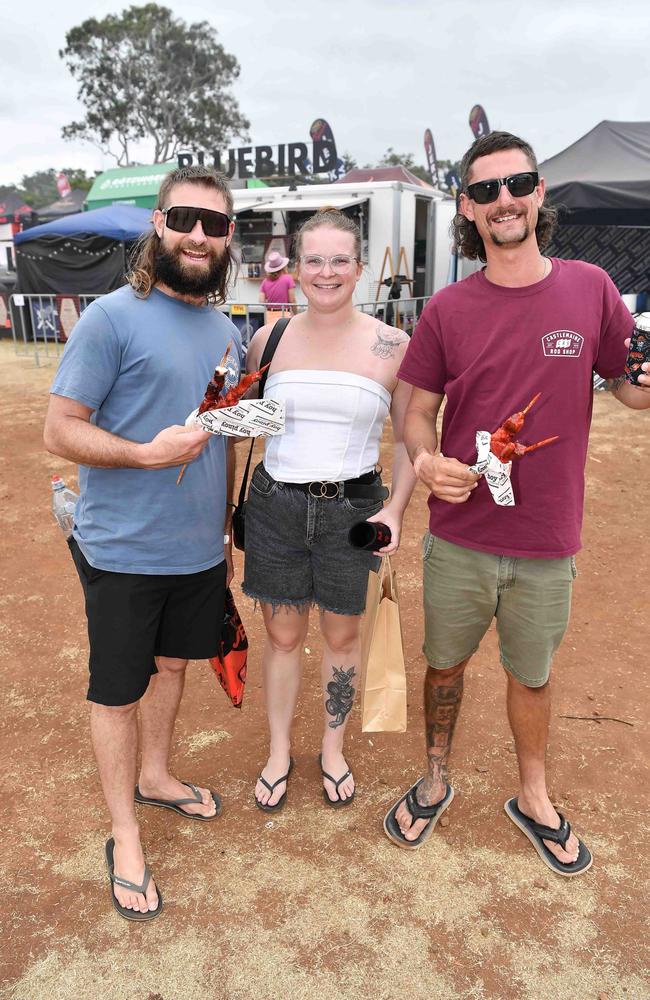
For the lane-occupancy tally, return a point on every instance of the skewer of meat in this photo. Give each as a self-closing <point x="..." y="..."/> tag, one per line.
<point x="503" y="443"/>
<point x="213" y="400"/>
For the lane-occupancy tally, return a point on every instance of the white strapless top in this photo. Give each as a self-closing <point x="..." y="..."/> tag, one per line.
<point x="334" y="422"/>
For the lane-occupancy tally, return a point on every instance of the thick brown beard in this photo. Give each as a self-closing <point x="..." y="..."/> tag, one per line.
<point x="171" y="272"/>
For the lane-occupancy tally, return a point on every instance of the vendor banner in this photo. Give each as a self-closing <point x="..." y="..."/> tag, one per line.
<point x="286" y="159"/>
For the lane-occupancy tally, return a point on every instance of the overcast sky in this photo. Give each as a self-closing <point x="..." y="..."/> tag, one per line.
<point x="380" y="71"/>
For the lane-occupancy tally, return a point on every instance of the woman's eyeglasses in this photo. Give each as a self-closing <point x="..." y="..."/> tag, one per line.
<point x="182" y="219"/>
<point x="341" y="263"/>
<point x="519" y="185"/>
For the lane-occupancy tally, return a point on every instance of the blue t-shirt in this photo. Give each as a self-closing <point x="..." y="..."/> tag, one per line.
<point x="143" y="364"/>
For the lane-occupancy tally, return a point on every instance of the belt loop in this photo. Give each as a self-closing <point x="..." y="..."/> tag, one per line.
<point x="341" y="492"/>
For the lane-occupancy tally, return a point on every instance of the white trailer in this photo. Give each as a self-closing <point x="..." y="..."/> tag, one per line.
<point x="391" y="214"/>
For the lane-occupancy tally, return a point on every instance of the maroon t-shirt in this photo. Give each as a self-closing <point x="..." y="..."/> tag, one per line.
<point x="489" y="350"/>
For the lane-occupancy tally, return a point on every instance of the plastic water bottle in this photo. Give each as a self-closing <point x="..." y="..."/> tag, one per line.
<point x="64" y="502"/>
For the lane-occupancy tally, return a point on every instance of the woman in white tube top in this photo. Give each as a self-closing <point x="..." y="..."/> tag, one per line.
<point x="335" y="368"/>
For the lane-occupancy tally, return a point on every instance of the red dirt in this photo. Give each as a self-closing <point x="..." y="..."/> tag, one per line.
<point x="312" y="902"/>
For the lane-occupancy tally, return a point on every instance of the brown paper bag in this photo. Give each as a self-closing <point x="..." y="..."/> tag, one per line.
<point x="383" y="685"/>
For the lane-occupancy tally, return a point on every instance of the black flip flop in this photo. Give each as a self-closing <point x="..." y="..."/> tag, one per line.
<point x="283" y="798"/>
<point x="537" y="833"/>
<point x="175" y="804"/>
<point x="417" y="811"/>
<point x="116" y="880"/>
<point x="338" y="803"/>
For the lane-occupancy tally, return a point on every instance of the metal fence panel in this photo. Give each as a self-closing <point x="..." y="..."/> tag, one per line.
<point x="41" y="324"/>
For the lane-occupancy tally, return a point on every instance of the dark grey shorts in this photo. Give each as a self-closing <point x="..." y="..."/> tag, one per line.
<point x="297" y="550"/>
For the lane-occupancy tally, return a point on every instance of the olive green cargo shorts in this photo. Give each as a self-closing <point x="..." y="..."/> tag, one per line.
<point x="465" y="589"/>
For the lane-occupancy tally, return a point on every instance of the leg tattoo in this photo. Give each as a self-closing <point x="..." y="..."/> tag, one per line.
<point x="441" y="705"/>
<point x="341" y="696"/>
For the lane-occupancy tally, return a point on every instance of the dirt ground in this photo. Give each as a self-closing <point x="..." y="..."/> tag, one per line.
<point x="316" y="903"/>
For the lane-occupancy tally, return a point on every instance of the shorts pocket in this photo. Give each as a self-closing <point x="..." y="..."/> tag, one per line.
<point x="263" y="484"/>
<point x="86" y="571"/>
<point x="363" y="506"/>
<point x="427" y="545"/>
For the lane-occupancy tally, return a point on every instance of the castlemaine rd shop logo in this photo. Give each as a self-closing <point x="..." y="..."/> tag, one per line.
<point x="562" y="344"/>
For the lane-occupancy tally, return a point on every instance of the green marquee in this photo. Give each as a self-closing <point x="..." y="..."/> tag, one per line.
<point x="128" y="186"/>
<point x="135" y="186"/>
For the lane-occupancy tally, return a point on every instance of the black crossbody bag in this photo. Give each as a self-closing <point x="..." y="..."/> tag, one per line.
<point x="239" y="513"/>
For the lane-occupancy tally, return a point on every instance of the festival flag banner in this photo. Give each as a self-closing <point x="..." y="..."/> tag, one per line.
<point x="63" y="185"/>
<point x="478" y="121"/>
<point x="432" y="161"/>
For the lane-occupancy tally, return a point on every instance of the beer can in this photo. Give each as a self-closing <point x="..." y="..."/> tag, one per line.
<point x="639" y="351"/>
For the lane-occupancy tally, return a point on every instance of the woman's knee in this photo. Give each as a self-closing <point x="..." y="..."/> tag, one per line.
<point x="286" y="627"/>
<point x="341" y="632"/>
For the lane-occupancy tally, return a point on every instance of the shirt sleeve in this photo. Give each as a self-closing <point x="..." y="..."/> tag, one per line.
<point x="91" y="360"/>
<point x="424" y="363"/>
<point x="617" y="324"/>
<point x="290" y="283"/>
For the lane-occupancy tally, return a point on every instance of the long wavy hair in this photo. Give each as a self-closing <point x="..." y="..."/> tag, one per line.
<point x="463" y="231"/>
<point x="142" y="274"/>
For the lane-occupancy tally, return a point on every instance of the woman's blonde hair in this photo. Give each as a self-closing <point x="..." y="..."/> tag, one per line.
<point x="335" y="219"/>
<point x="142" y="274"/>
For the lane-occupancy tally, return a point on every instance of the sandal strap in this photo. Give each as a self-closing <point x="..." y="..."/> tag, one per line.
<point x="417" y="810"/>
<point x="131" y="885"/>
<point x="275" y="783"/>
<point x="187" y="802"/>
<point x="559" y="836"/>
<point x="333" y="780"/>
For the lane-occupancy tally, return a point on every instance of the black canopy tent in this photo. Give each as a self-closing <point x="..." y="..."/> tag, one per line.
<point x="83" y="254"/>
<point x="601" y="185"/>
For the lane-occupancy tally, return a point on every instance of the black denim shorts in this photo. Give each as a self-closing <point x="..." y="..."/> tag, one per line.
<point x="297" y="550"/>
<point x="134" y="617"/>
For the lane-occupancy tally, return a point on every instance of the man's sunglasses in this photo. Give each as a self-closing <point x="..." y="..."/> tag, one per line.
<point x="519" y="185"/>
<point x="183" y="219"/>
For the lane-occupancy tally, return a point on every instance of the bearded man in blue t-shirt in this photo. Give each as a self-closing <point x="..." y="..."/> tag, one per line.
<point x="153" y="557"/>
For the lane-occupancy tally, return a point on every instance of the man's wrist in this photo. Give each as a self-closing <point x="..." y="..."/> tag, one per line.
<point x="419" y="459"/>
<point x="141" y="457"/>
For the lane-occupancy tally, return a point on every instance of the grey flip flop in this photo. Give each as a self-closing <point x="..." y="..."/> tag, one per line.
<point x="175" y="804"/>
<point x="271" y="788"/>
<point x="417" y="811"/>
<point x="116" y="880"/>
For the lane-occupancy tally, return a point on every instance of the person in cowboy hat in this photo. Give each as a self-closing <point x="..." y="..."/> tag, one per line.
<point x="278" y="286"/>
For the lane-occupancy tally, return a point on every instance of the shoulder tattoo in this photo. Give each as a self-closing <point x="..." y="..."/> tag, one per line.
<point x="387" y="341"/>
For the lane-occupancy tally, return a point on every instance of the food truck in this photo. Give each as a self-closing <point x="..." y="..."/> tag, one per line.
<point x="404" y="227"/>
<point x="404" y="233"/>
<point x="404" y="223"/>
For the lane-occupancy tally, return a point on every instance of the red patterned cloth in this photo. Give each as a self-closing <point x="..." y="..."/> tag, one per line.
<point x="230" y="665"/>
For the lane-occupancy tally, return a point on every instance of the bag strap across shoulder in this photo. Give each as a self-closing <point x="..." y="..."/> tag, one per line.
<point x="270" y="348"/>
<point x="267" y="356"/>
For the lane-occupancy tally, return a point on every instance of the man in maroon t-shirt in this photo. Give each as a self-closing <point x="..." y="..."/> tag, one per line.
<point x="525" y="324"/>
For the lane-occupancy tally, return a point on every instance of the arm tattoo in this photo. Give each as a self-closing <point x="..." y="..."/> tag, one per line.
<point x="614" y="384"/>
<point x="386" y="343"/>
<point x="341" y="696"/>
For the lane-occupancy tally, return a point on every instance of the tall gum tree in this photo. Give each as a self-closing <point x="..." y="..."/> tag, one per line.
<point x="146" y="75"/>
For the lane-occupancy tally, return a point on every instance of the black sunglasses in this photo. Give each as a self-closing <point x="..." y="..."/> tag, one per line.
<point x="519" y="185"/>
<point x="183" y="219"/>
